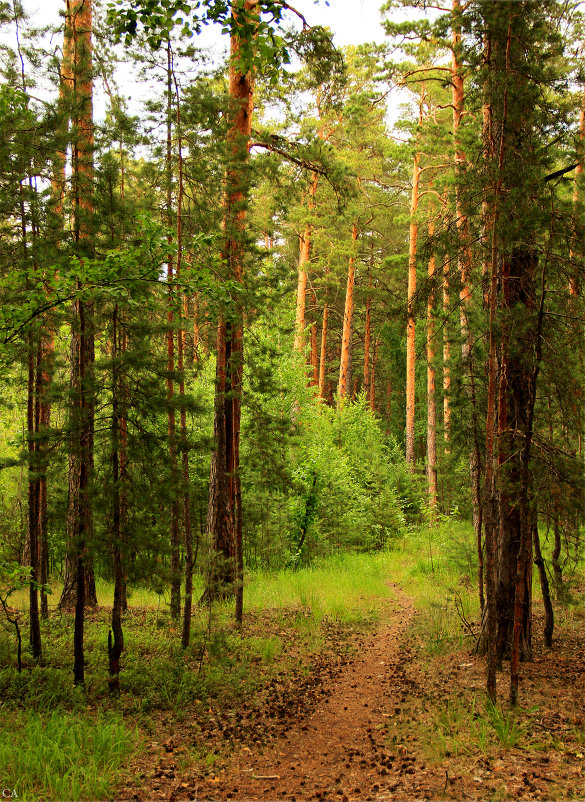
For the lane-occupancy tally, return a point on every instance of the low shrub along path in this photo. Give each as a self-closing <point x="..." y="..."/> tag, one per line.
<point x="339" y="748"/>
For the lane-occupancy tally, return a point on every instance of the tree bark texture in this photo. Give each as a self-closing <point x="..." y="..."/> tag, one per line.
<point x="79" y="570"/>
<point x="224" y="519"/>
<point x="344" y="361"/>
<point x="431" y="386"/>
<point x="411" y="323"/>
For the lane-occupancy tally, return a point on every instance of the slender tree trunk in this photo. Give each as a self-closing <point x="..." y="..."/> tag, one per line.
<point x="304" y="259"/>
<point x="372" y="398"/>
<point x="549" y="616"/>
<point x="344" y="362"/>
<point x="181" y="339"/>
<point x="314" y="358"/>
<point x="411" y="324"/>
<point x="323" y="356"/>
<point x="446" y="357"/>
<point x="116" y="646"/>
<point x="431" y="382"/>
<point x="574" y="288"/>
<point x="556" y="559"/>
<point x="33" y="484"/>
<point x="170" y="337"/>
<point x="368" y="324"/>
<point x="464" y="267"/>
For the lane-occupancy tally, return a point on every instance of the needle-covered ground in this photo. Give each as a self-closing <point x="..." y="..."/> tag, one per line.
<point x="376" y="715"/>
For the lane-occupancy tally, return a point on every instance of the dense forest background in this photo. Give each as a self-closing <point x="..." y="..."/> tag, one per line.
<point x="285" y="305"/>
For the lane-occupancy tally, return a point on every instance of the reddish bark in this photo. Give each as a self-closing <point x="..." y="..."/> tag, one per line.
<point x="304" y="259"/>
<point x="344" y="360"/>
<point x="446" y="358"/>
<point x="431" y="382"/>
<point x="323" y="356"/>
<point x="411" y="324"/>
<point x="224" y="517"/>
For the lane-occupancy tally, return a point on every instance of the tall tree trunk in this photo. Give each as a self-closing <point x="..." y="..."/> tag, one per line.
<point x="323" y="355"/>
<point x="304" y="259"/>
<point x="574" y="288"/>
<point x="170" y="337"/>
<point x="116" y="646"/>
<point x="368" y="324"/>
<point x="181" y="340"/>
<point x="411" y="324"/>
<point x="314" y="358"/>
<point x="33" y="484"/>
<point x="224" y="518"/>
<point x="464" y="266"/>
<point x="431" y="382"/>
<point x="79" y="586"/>
<point x="446" y="357"/>
<point x="372" y="398"/>
<point x="344" y="362"/>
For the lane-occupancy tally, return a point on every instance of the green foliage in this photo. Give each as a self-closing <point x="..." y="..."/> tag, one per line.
<point x="52" y="757"/>
<point x="505" y="725"/>
<point x="327" y="479"/>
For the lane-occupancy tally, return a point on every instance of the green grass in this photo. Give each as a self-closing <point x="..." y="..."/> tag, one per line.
<point x="347" y="587"/>
<point x="58" y="757"/>
<point x="437" y="566"/>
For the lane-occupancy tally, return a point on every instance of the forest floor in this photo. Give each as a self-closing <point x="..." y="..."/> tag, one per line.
<point x="375" y="715"/>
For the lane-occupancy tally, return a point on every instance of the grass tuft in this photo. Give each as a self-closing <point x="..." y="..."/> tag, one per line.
<point x="57" y="757"/>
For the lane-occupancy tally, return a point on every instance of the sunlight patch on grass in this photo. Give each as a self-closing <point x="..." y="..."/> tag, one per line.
<point x="345" y="588"/>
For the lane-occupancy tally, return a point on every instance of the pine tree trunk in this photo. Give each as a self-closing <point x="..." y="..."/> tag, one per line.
<point x="175" y="540"/>
<point x="181" y="339"/>
<point x="446" y="357"/>
<point x="368" y="324"/>
<point x="574" y="287"/>
<point x="323" y="356"/>
<point x="549" y="616"/>
<point x="411" y="324"/>
<point x="464" y="268"/>
<point x="224" y="519"/>
<point x="116" y="646"/>
<point x="304" y="259"/>
<point x="314" y="359"/>
<point x="79" y="578"/>
<point x="32" y="545"/>
<point x="431" y="388"/>
<point x="344" y="362"/>
<point x="372" y="398"/>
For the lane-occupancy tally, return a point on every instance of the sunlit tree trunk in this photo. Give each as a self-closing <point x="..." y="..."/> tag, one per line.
<point x="431" y="382"/>
<point x="314" y="359"/>
<point x="323" y="356"/>
<point x="372" y="398"/>
<point x="368" y="324"/>
<point x="304" y="259"/>
<point x="344" y="361"/>
<point x="79" y="581"/>
<point x="411" y="323"/>
<point x="464" y="262"/>
<point x="446" y="357"/>
<point x="224" y="516"/>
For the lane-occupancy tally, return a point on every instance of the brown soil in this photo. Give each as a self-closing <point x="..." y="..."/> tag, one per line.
<point x="388" y="723"/>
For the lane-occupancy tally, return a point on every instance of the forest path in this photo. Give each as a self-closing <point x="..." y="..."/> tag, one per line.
<point x="339" y="751"/>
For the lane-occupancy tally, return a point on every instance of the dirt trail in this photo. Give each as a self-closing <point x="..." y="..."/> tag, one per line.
<point x="338" y="750"/>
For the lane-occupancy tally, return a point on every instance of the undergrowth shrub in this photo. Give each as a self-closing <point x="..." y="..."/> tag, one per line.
<point x="317" y="479"/>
